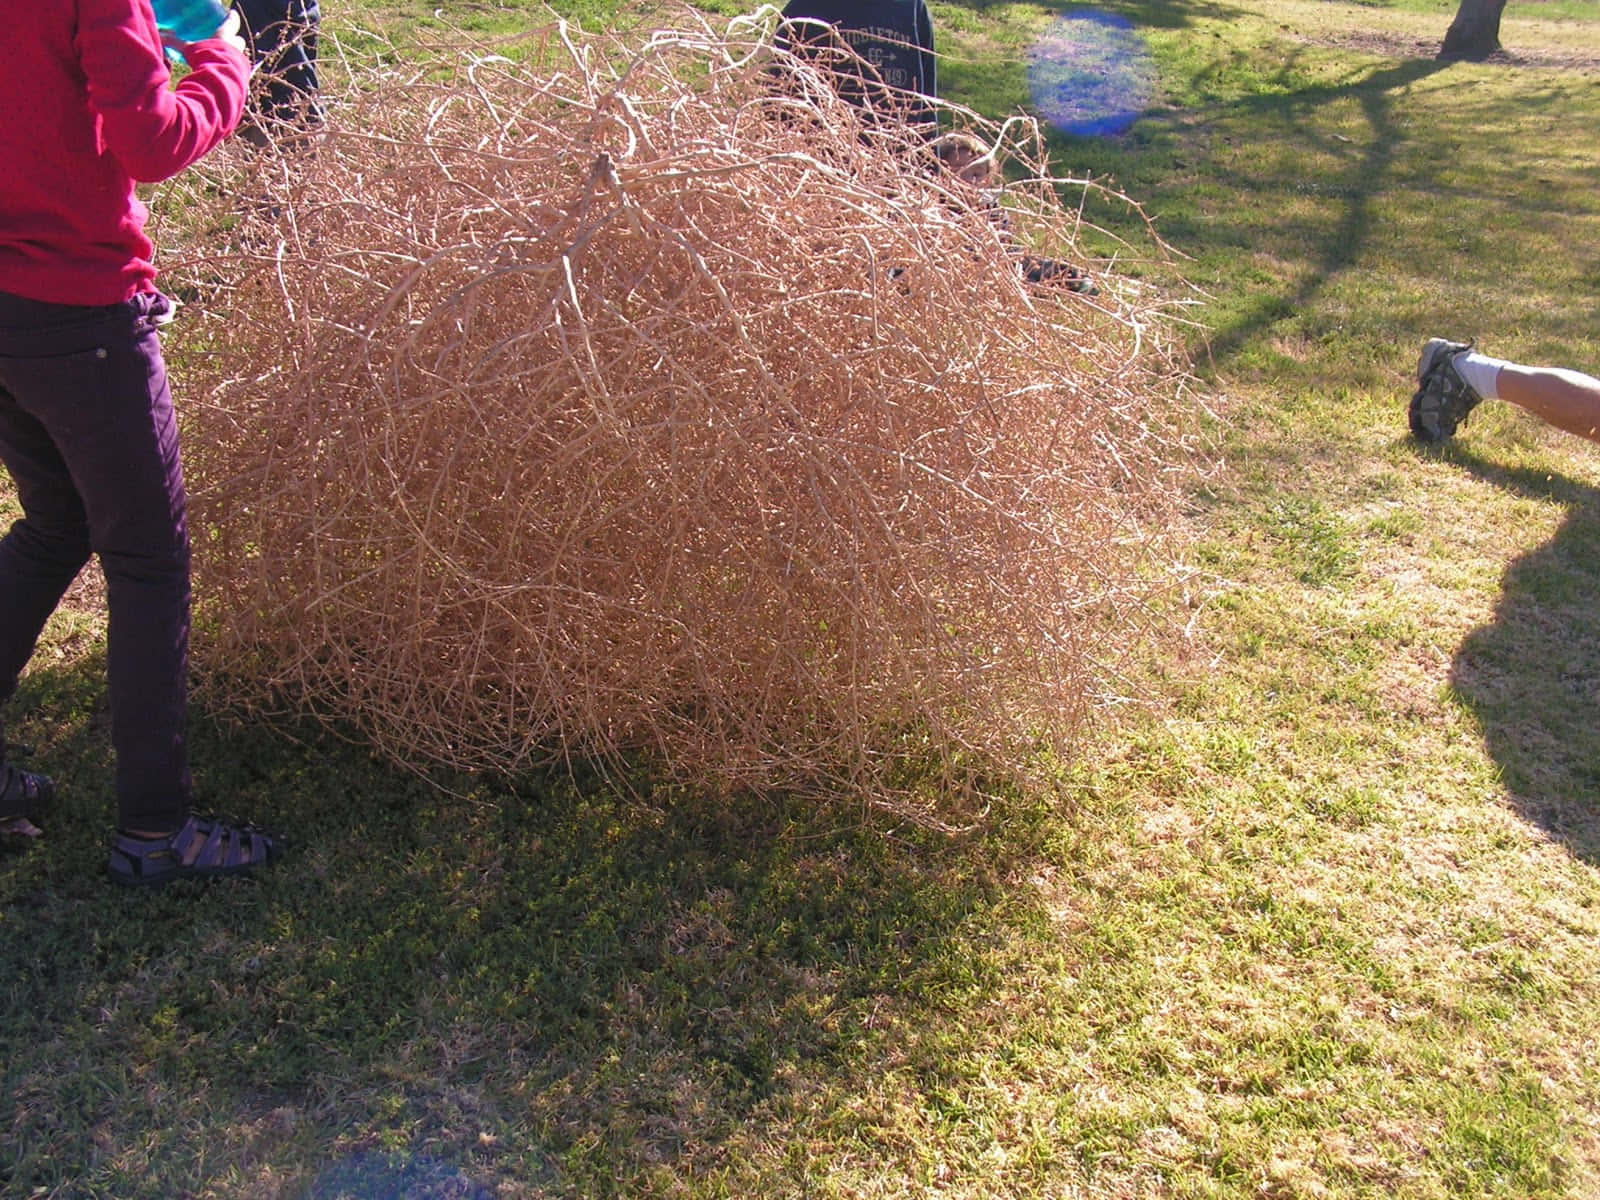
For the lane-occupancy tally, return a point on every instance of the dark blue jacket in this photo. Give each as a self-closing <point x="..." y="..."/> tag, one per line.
<point x="894" y="36"/>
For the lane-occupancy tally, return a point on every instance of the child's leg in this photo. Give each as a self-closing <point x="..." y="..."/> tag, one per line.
<point x="1567" y="399"/>
<point x="283" y="41"/>
<point x="300" y="72"/>
<point x="43" y="551"/>
<point x="98" y="386"/>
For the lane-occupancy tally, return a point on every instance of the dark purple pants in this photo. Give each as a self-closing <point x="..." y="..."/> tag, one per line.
<point x="88" y="435"/>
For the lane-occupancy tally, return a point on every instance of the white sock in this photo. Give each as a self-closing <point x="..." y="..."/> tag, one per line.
<point x="1481" y="373"/>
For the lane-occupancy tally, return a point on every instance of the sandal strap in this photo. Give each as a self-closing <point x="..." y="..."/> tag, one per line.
<point x="23" y="793"/>
<point x="212" y="845"/>
<point x="200" y="846"/>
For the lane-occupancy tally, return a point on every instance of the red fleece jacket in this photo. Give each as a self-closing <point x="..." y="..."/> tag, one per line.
<point x="89" y="110"/>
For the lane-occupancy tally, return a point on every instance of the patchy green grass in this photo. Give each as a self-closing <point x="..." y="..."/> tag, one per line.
<point x="1319" y="918"/>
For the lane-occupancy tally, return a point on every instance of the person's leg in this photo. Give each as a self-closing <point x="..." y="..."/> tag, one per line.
<point x="39" y="558"/>
<point x="1453" y="378"/>
<point x="264" y="24"/>
<point x="95" y="395"/>
<point x="132" y="485"/>
<point x="93" y="387"/>
<point x="282" y="35"/>
<point x="1569" y="400"/>
<point x="44" y="550"/>
<point x="300" y="72"/>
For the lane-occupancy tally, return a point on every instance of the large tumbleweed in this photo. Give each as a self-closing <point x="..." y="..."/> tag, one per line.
<point x="628" y="394"/>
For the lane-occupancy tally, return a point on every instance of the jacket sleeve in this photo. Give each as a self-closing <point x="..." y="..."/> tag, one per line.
<point x="153" y="129"/>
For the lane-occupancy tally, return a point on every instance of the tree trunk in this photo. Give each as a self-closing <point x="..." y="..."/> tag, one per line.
<point x="1475" y="33"/>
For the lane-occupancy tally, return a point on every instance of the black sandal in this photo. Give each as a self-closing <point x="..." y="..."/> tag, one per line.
<point x="200" y="846"/>
<point x="23" y="794"/>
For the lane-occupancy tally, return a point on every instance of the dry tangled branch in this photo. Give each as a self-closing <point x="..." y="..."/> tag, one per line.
<point x="616" y="394"/>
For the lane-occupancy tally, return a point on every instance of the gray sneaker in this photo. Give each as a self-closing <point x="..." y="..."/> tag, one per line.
<point x="1443" y="398"/>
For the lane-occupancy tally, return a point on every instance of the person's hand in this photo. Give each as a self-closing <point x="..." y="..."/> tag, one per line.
<point x="228" y="32"/>
<point x="174" y="47"/>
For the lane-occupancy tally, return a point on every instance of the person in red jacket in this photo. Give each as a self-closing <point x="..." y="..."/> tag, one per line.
<point x="86" y="421"/>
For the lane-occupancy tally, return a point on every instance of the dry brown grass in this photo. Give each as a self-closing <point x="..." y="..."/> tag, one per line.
<point x="616" y="394"/>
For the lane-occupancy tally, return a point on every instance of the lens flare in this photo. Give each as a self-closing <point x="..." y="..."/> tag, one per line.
<point x="1091" y="74"/>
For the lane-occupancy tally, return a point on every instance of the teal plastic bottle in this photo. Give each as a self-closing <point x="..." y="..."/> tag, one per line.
<point x="189" y="20"/>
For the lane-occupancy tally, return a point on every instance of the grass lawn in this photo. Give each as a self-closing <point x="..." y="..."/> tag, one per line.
<point x="1320" y="917"/>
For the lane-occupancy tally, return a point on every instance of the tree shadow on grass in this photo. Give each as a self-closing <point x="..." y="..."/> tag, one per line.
<point x="557" y="986"/>
<point x="1364" y="171"/>
<point x="1531" y="676"/>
